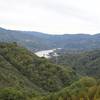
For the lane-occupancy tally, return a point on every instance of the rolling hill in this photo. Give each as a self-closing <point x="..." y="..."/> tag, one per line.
<point x="36" y="41"/>
<point x="84" y="63"/>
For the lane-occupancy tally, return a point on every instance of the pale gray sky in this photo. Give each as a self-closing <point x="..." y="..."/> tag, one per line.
<point x="51" y="16"/>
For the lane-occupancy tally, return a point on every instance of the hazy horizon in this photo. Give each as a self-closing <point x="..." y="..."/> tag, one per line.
<point x="51" y="17"/>
<point x="47" y="33"/>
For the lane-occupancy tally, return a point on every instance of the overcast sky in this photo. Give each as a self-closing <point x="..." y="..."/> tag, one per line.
<point x="51" y="16"/>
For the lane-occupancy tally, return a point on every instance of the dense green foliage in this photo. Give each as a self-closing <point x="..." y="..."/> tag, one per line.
<point x="85" y="89"/>
<point x="24" y="76"/>
<point x="12" y="94"/>
<point x="23" y="70"/>
<point x="85" y="63"/>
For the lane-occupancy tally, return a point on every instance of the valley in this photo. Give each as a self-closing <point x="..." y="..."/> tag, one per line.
<point x="25" y="76"/>
<point x="37" y="66"/>
<point x="49" y="49"/>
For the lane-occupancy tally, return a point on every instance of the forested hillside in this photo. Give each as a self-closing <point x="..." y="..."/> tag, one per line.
<point x="24" y="76"/>
<point x="85" y="63"/>
<point x="84" y="89"/>
<point x="36" y="41"/>
<point x="22" y="70"/>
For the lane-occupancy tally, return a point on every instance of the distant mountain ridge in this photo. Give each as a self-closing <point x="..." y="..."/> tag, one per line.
<point x="40" y="41"/>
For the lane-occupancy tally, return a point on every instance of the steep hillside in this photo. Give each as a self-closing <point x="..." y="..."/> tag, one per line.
<point x="86" y="63"/>
<point x="24" y="76"/>
<point x="39" y="41"/>
<point x="21" y="68"/>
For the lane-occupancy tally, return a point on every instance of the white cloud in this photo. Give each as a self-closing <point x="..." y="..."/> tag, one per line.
<point x="51" y="16"/>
